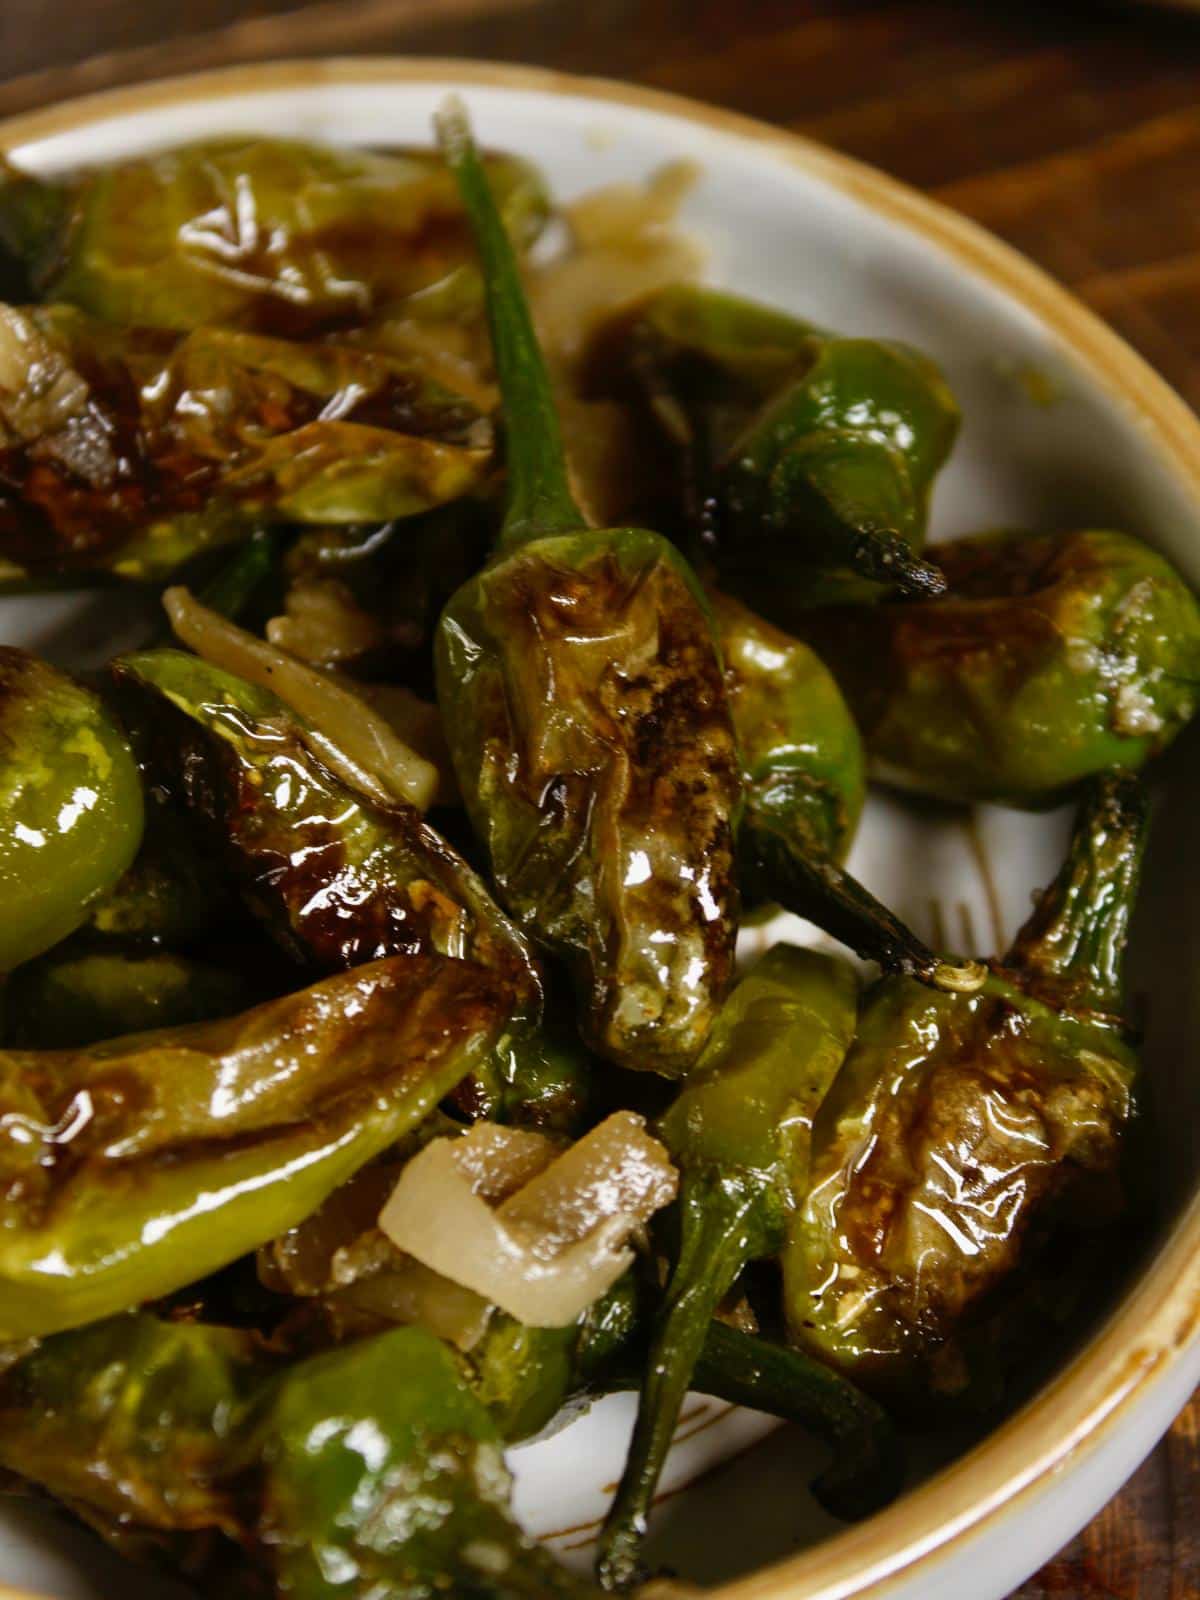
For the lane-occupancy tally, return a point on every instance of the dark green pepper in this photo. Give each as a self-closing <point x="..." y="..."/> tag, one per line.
<point x="77" y="996"/>
<point x="275" y="235"/>
<point x="738" y="1133"/>
<point x="805" y="453"/>
<point x="361" y="1472"/>
<point x="804" y="782"/>
<point x="337" y="878"/>
<point x="129" y="451"/>
<point x="957" y="1119"/>
<point x="71" y="810"/>
<point x="1055" y="656"/>
<point x="138" y="1165"/>
<point x="581" y="693"/>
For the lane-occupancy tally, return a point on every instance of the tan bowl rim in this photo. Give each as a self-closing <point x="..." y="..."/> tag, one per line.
<point x="1160" y="1318"/>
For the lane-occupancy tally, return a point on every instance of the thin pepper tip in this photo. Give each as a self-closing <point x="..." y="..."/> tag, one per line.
<point x="452" y="127"/>
<point x="966" y="977"/>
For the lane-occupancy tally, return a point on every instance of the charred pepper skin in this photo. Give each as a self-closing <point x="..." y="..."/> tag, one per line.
<point x="1053" y="657"/>
<point x="797" y="448"/>
<point x="71" y="810"/>
<point x="175" y="1152"/>
<point x="336" y="878"/>
<point x="956" y="1119"/>
<point x="581" y="692"/>
<point x="738" y="1133"/>
<point x="126" y="451"/>
<point x="272" y="235"/>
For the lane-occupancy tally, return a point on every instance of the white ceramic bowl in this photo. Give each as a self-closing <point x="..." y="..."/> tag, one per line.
<point x="1063" y="424"/>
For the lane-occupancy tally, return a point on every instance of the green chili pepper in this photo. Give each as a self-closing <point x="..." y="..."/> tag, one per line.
<point x="1055" y="656"/>
<point x="804" y="783"/>
<point x="808" y="454"/>
<point x="337" y="878"/>
<point x="356" y="1473"/>
<point x="139" y="1165"/>
<point x="957" y="1118"/>
<point x="739" y="1134"/>
<point x="272" y="234"/>
<point x="129" y="451"/>
<point x="70" y="805"/>
<point x="74" y="996"/>
<point x="581" y="693"/>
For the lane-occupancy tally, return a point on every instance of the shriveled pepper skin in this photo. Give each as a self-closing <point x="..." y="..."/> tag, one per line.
<point x="739" y="1134"/>
<point x="1053" y="657"/>
<point x="126" y="451"/>
<point x="956" y="1119"/>
<point x="581" y="692"/>
<point x="336" y="878"/>
<point x="138" y="1165"/>
<point x="801" y="451"/>
<point x="276" y="235"/>
<point x="71" y="809"/>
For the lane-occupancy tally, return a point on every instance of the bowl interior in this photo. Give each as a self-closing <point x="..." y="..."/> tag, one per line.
<point x="1045" y="443"/>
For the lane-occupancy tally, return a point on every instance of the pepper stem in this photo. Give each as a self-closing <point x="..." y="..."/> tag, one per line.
<point x="1074" y="943"/>
<point x="812" y="885"/>
<point x="718" y="1235"/>
<point x="540" y="503"/>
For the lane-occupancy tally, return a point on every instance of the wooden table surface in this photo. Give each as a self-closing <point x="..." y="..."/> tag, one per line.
<point x="1072" y="130"/>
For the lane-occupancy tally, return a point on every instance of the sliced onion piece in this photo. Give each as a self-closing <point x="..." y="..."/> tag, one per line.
<point x="355" y="741"/>
<point x="557" y="1242"/>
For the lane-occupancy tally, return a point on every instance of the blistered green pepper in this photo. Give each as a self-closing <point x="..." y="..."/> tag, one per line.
<point x="70" y="805"/>
<point x="956" y="1119"/>
<point x="1054" y="656"/>
<point x="362" y="1472"/>
<point x="128" y="451"/>
<point x="337" y="878"/>
<point x="804" y="784"/>
<point x="738" y="1134"/>
<point x="804" y="452"/>
<point x="581" y="693"/>
<point x="77" y="996"/>
<point x="271" y="234"/>
<point x="138" y="1165"/>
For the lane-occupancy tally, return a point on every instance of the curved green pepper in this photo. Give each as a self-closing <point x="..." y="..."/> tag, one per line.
<point x="804" y="783"/>
<point x="956" y="1119"/>
<point x="272" y="234"/>
<point x="138" y="1165"/>
<point x="336" y="878"/>
<point x="70" y="805"/>
<point x="76" y="996"/>
<point x="1055" y="656"/>
<point x="799" y="449"/>
<point x="738" y="1134"/>
<point x="581" y="693"/>
<point x="128" y="451"/>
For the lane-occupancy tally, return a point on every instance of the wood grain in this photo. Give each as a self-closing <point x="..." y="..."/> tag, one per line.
<point x="1072" y="130"/>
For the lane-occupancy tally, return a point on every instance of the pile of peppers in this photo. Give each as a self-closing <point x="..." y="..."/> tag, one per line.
<point x="423" y="827"/>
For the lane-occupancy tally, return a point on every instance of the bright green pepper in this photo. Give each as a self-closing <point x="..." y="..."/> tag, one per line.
<point x="70" y="805"/>
<point x="803" y="452"/>
<point x="129" y="451"/>
<point x="956" y="1119"/>
<point x="336" y="878"/>
<point x="804" y="780"/>
<point x="175" y="1152"/>
<point x="581" y="693"/>
<point x="1054" y="656"/>
<point x="271" y="234"/>
<point x="75" y="996"/>
<point x="738" y="1133"/>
